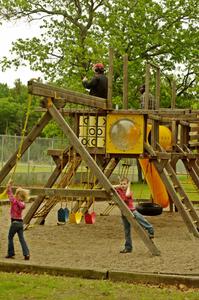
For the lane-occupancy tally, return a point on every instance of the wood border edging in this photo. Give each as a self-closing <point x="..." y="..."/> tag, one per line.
<point x="191" y="281"/>
<point x="155" y="279"/>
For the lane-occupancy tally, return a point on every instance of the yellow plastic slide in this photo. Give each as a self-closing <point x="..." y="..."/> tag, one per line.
<point x="156" y="186"/>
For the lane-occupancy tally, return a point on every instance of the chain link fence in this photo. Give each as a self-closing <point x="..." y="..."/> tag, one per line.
<point x="35" y="166"/>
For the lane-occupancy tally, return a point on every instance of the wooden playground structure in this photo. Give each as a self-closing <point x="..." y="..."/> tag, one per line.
<point x="99" y="138"/>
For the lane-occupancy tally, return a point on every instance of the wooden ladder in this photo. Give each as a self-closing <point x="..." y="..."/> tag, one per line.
<point x="190" y="162"/>
<point x="177" y="194"/>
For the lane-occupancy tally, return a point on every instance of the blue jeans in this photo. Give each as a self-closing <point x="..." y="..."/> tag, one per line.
<point x="17" y="227"/>
<point x="127" y="228"/>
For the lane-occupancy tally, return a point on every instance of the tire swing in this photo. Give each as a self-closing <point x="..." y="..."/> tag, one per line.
<point x="149" y="208"/>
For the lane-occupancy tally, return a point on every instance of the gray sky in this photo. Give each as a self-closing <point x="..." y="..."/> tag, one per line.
<point x="9" y="32"/>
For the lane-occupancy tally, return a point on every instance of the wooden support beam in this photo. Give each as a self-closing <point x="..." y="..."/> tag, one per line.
<point x="147" y="82"/>
<point x="125" y="81"/>
<point x="173" y="96"/>
<point x="157" y="90"/>
<point x="110" y="79"/>
<point x="29" y="139"/>
<point x="49" y="91"/>
<point x="154" y="134"/>
<point x="174" y="134"/>
<point x="67" y="192"/>
<point x="101" y="177"/>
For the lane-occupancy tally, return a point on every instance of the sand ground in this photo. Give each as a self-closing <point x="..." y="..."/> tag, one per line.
<point x="97" y="246"/>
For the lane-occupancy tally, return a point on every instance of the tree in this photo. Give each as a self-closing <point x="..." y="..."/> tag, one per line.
<point x="4" y="90"/>
<point x="13" y="109"/>
<point x="74" y="34"/>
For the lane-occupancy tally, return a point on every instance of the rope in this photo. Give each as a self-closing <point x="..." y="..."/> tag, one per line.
<point x="3" y="195"/>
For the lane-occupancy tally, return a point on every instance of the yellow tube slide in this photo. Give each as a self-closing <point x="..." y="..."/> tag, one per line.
<point x="156" y="186"/>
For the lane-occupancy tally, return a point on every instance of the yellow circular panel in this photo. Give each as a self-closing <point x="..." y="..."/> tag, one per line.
<point x="124" y="134"/>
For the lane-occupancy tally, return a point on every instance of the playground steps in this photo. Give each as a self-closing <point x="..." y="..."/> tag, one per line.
<point x="190" y="163"/>
<point x="71" y="167"/>
<point x="108" y="209"/>
<point x="177" y="194"/>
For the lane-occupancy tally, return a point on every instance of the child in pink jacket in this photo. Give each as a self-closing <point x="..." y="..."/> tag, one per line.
<point x="17" y="206"/>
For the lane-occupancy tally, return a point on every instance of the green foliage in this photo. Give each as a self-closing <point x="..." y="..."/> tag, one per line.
<point x="76" y="34"/>
<point x="4" y="90"/>
<point x="13" y="108"/>
<point x="52" y="130"/>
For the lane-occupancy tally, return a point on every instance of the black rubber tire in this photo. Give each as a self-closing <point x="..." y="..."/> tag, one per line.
<point x="149" y="209"/>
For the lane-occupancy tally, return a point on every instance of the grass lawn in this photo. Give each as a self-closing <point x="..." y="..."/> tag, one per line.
<point x="44" y="287"/>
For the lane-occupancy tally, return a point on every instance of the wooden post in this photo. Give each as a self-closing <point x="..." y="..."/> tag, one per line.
<point x="147" y="80"/>
<point x="110" y="79"/>
<point x="173" y="98"/>
<point x="157" y="91"/>
<point x="125" y="81"/>
<point x="154" y="134"/>
<point x="174" y="134"/>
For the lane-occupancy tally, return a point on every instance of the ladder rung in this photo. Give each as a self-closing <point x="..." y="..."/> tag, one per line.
<point x="176" y="187"/>
<point x="188" y="209"/>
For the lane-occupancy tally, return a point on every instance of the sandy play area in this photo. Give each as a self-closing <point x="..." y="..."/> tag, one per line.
<point x="96" y="246"/>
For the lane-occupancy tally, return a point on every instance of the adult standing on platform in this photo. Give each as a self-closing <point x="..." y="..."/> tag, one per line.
<point x="151" y="104"/>
<point x="98" y="85"/>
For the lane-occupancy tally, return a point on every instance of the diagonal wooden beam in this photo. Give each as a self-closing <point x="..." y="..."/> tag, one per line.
<point x="101" y="177"/>
<point x="34" y="133"/>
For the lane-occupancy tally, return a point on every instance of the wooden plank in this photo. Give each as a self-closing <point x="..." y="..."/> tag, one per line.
<point x="49" y="91"/>
<point x="102" y="178"/>
<point x="29" y="139"/>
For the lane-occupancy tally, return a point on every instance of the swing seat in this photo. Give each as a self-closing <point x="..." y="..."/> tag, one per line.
<point x="75" y="218"/>
<point x="61" y="216"/>
<point x="90" y="218"/>
<point x="4" y="195"/>
<point x="67" y="212"/>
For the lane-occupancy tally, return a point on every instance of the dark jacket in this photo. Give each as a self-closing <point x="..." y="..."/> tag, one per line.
<point x="98" y="86"/>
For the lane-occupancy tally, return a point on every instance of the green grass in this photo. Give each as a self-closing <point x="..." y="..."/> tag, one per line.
<point x="44" y="287"/>
<point x="141" y="190"/>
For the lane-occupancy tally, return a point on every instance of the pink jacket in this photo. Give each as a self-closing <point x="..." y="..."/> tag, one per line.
<point x="16" y="205"/>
